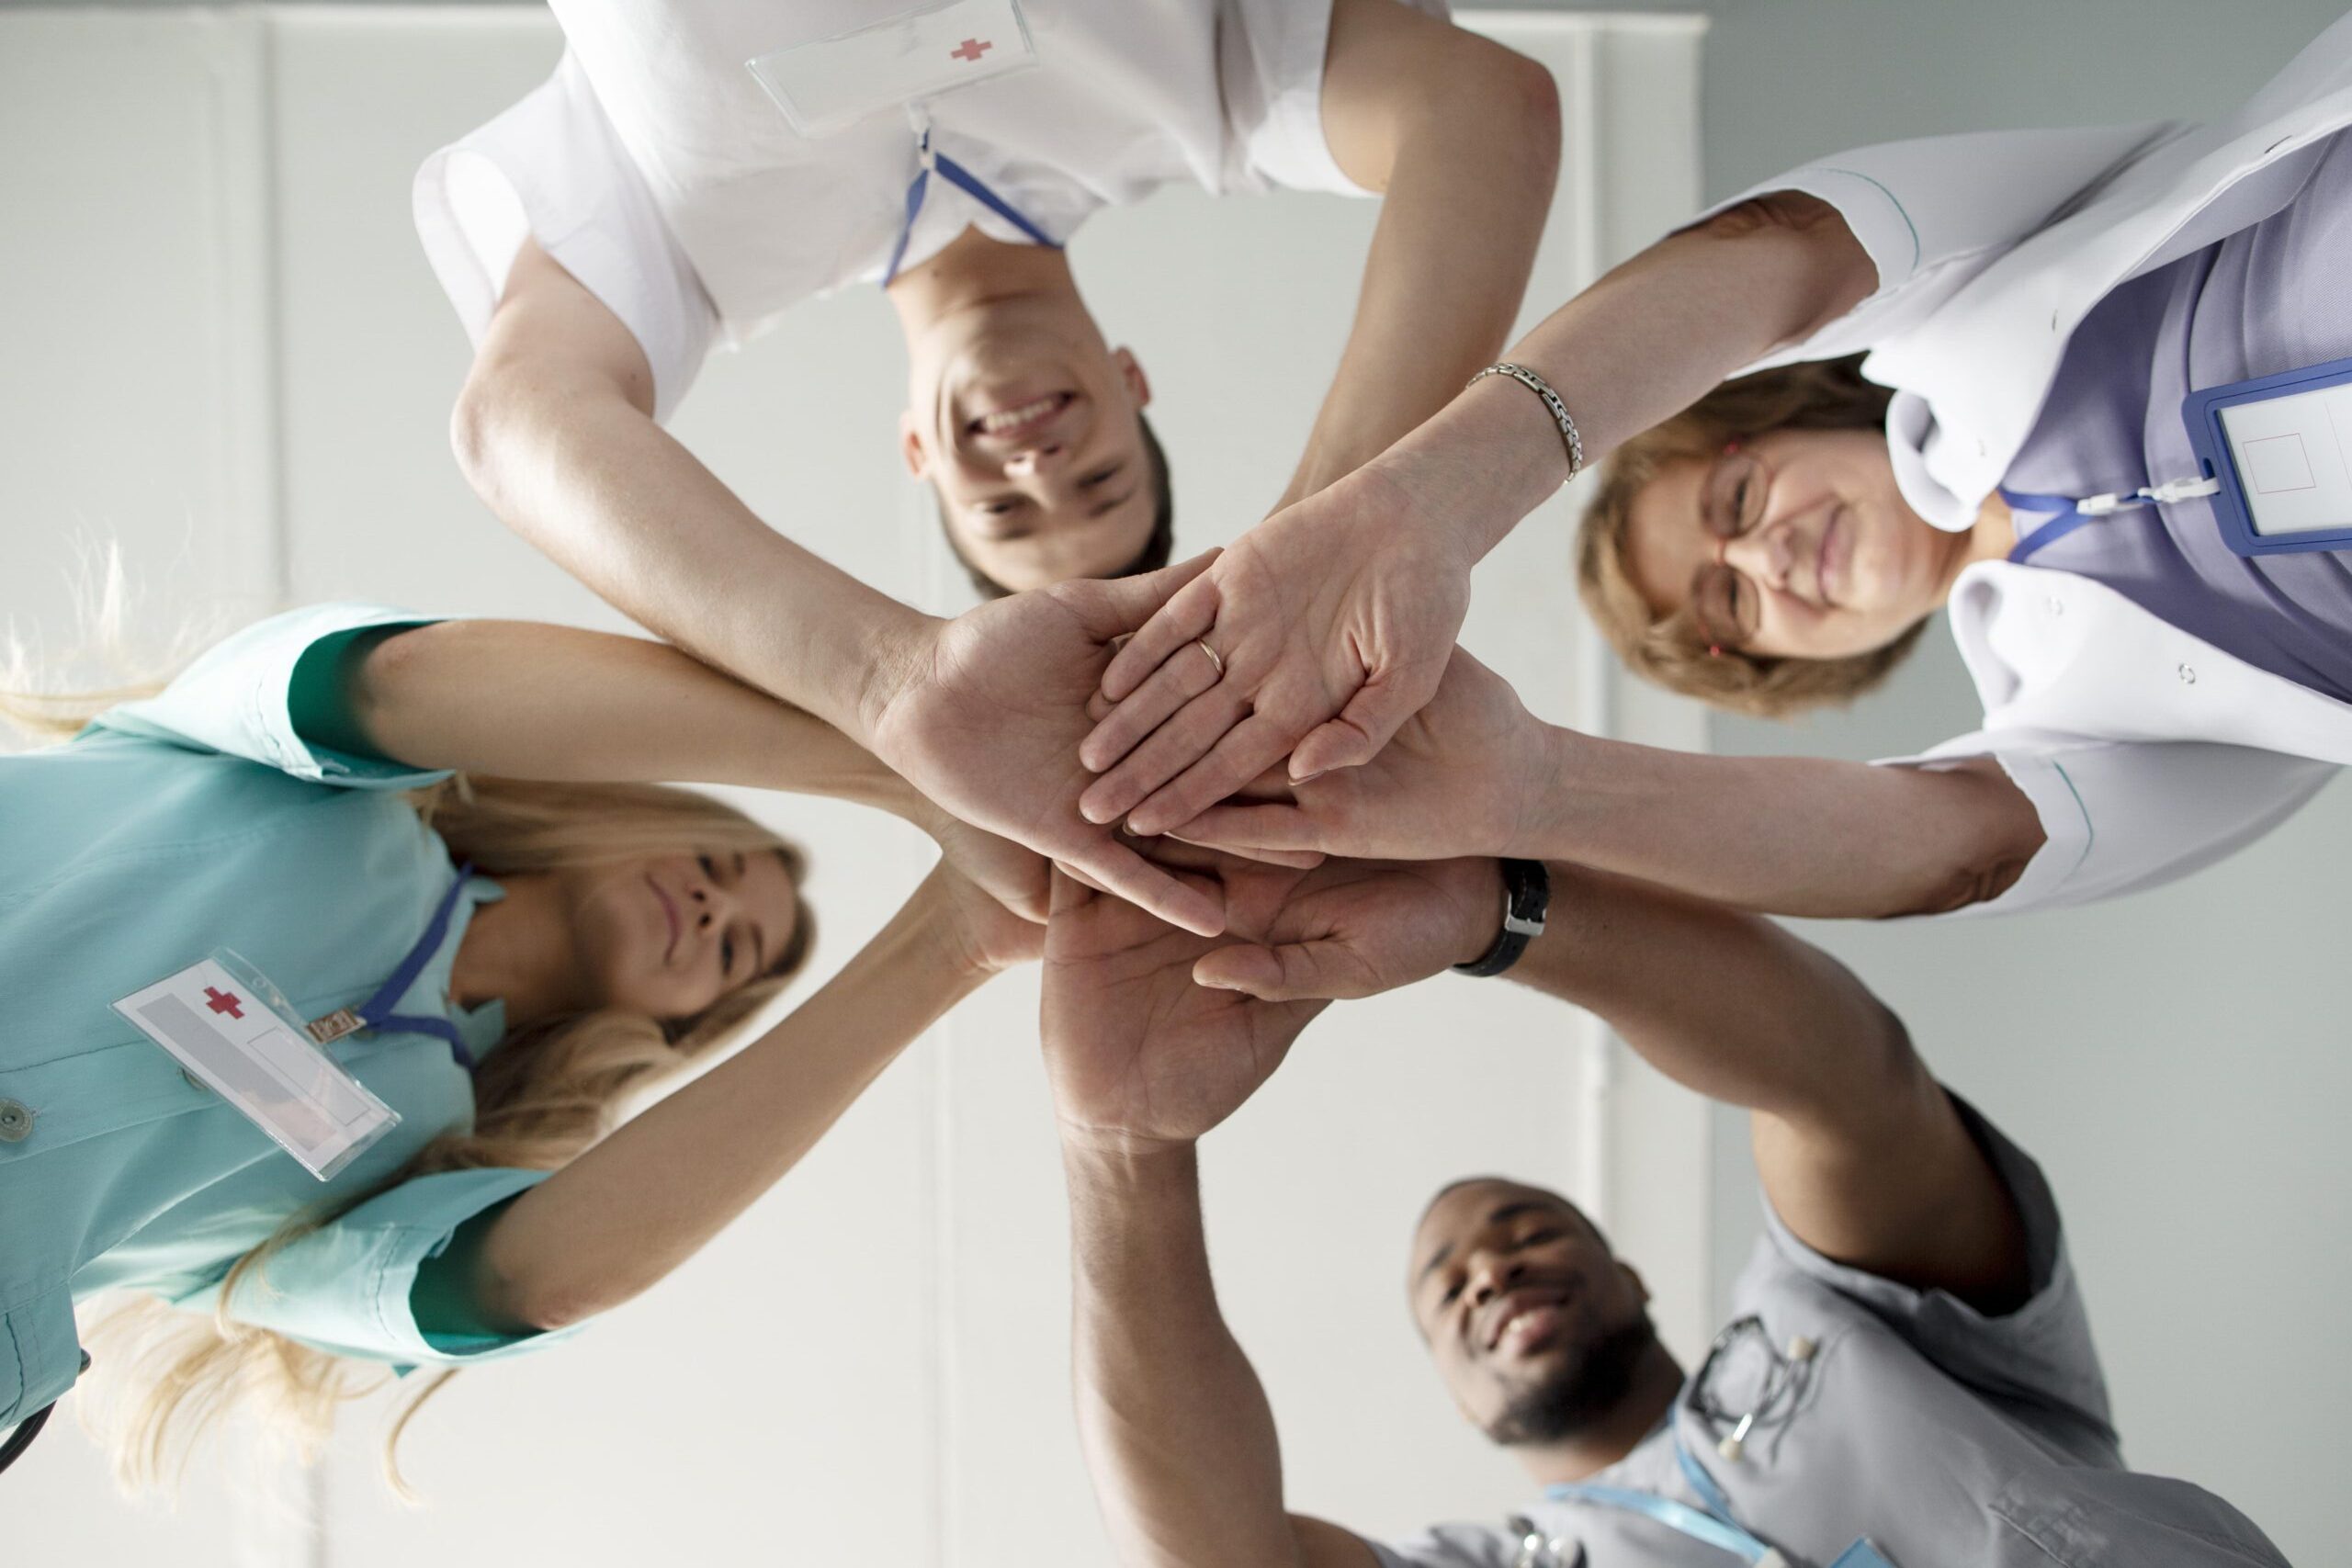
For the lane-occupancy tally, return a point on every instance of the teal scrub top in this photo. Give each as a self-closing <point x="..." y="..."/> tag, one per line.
<point x="196" y="819"/>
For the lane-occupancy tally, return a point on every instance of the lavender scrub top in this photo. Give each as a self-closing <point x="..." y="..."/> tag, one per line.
<point x="2274" y="297"/>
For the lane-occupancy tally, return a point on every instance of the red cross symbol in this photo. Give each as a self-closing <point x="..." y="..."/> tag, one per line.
<point x="971" y="49"/>
<point x="222" y="1001"/>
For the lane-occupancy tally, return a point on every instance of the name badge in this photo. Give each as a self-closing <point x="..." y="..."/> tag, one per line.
<point x="2281" y="447"/>
<point x="230" y="1029"/>
<point x="826" y="85"/>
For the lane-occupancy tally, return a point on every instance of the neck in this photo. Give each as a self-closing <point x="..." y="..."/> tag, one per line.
<point x="1990" y="538"/>
<point x="514" y="950"/>
<point x="974" y="272"/>
<point x="1656" y="1382"/>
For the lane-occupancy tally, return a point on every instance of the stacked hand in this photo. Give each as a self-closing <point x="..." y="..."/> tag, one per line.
<point x="1329" y="623"/>
<point x="1154" y="1035"/>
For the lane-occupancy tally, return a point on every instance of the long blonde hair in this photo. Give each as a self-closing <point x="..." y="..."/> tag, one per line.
<point x="159" y="1377"/>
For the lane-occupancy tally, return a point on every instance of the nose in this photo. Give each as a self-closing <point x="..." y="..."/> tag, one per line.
<point x="1041" y="457"/>
<point x="709" y="904"/>
<point x="1489" y="1276"/>
<point x="1764" y="553"/>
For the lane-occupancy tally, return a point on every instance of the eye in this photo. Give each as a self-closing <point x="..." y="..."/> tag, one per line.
<point x="1100" y="476"/>
<point x="727" y="956"/>
<point x="1537" y="1237"/>
<point x="707" y="869"/>
<point x="1451" y="1292"/>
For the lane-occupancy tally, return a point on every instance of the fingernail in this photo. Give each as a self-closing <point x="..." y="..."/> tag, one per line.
<point x="1310" y="778"/>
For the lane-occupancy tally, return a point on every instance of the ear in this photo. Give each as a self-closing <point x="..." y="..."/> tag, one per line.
<point x="911" y="446"/>
<point x="1641" y="1287"/>
<point x="1138" y="385"/>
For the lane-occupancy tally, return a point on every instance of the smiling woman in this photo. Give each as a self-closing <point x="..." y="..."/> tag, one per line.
<point x="585" y="933"/>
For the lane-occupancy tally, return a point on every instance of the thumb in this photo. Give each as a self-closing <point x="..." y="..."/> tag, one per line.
<point x="1120" y="604"/>
<point x="1293" y="972"/>
<point x="1377" y="710"/>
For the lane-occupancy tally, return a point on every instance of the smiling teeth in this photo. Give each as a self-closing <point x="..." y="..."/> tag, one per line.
<point x="1006" y="418"/>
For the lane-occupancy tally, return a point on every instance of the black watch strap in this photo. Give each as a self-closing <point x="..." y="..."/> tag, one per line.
<point x="1527" y="894"/>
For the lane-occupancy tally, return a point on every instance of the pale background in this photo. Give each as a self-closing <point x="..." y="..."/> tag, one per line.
<point x="225" y="350"/>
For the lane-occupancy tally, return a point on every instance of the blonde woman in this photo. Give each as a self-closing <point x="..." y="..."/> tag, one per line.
<point x="530" y="942"/>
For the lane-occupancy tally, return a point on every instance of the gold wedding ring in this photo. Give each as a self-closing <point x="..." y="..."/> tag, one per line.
<point x="1204" y="648"/>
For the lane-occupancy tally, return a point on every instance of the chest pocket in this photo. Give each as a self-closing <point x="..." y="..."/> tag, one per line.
<point x="2095" y="1518"/>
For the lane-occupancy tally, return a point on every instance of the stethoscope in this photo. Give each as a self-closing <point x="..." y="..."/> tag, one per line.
<point x="1787" y="1373"/>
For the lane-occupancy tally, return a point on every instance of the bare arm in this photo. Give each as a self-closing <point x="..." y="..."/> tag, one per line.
<point x="1860" y="1150"/>
<point x="633" y="1207"/>
<point x="555" y="432"/>
<point x="1178" y="1433"/>
<point x="1790" y="835"/>
<point x="525" y="700"/>
<point x="1463" y="136"/>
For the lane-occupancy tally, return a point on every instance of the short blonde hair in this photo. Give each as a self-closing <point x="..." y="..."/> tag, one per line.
<point x="1828" y="394"/>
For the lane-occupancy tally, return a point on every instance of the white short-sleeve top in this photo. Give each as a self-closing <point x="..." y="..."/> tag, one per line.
<point x="655" y="169"/>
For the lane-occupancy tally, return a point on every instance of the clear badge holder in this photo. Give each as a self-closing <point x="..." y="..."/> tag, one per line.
<point x="831" y="84"/>
<point x="236" y="1032"/>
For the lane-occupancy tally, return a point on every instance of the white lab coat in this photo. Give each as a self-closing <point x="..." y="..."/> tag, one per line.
<point x="2148" y="752"/>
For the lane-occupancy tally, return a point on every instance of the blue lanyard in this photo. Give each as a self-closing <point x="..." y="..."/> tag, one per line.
<point x="1713" y="1525"/>
<point x="963" y="179"/>
<point x="376" y="1012"/>
<point x="2070" y="513"/>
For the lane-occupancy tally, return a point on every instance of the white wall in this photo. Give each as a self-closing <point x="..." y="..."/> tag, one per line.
<point x="225" y="351"/>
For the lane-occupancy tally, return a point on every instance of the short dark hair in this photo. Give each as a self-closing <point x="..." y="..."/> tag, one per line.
<point x="1157" y="550"/>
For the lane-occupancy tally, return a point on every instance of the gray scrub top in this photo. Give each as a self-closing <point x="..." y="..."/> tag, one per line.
<point x="2275" y="296"/>
<point x="1945" y="1436"/>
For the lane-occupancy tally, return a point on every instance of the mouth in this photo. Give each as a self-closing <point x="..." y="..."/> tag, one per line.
<point x="1526" y="1322"/>
<point x="1021" y="419"/>
<point x="669" y="914"/>
<point x="1829" y="558"/>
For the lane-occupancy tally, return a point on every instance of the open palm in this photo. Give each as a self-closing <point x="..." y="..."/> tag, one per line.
<point x="987" y="721"/>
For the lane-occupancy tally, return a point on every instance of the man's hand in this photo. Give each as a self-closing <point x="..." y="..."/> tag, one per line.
<point x="1466" y="776"/>
<point x="1352" y="929"/>
<point x="985" y="715"/>
<point x="1140" y="1058"/>
<point x="1333" y="618"/>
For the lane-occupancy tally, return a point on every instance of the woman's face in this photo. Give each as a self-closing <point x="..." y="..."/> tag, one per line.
<point x="1796" y="545"/>
<point x="669" y="935"/>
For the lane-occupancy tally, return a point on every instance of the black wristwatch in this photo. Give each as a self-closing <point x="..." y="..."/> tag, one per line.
<point x="1527" y="894"/>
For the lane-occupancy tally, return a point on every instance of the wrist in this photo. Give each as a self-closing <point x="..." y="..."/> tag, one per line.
<point x="898" y="656"/>
<point x="1549" y="790"/>
<point x="1482" y="924"/>
<point x="943" y="937"/>
<point x="1111" y="1162"/>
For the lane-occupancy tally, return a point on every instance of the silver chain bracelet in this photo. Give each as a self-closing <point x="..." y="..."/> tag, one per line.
<point x="1541" y="389"/>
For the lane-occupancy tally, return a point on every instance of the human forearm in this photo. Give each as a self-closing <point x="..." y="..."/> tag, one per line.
<point x="1642" y="343"/>
<point x="1723" y="1002"/>
<point x="592" y="481"/>
<point x="1465" y="146"/>
<point x="1177" y="1434"/>
<point x="636" y="1205"/>
<point x="1786" y="835"/>
<point x="525" y="700"/>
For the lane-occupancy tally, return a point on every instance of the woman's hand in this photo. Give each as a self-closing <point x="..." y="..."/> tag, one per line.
<point x="1352" y="929"/>
<point x="1013" y="875"/>
<point x="976" y="934"/>
<point x="1333" y="620"/>
<point x="1466" y="776"/>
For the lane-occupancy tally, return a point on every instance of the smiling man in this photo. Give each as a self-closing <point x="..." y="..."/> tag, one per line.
<point x="696" y="167"/>
<point x="1907" y="1376"/>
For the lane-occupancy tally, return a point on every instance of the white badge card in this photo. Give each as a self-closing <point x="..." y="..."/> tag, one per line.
<point x="833" y="83"/>
<point x="225" y="1031"/>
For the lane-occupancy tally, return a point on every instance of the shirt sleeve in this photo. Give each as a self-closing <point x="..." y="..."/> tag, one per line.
<point x="237" y="699"/>
<point x="1934" y="212"/>
<point x="346" y="1288"/>
<point x="2118" y="816"/>
<point x="552" y="168"/>
<point x="1450" y="1546"/>
<point x="1269" y="66"/>
<point x="2041" y="1353"/>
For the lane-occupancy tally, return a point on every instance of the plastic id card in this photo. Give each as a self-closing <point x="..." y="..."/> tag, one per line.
<point x="2281" y="449"/>
<point x="826" y="84"/>
<point x="231" y="1029"/>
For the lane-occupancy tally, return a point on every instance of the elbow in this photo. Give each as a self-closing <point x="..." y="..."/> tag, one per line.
<point x="1515" y="99"/>
<point x="1806" y="241"/>
<point x="477" y="429"/>
<point x="543" y="1306"/>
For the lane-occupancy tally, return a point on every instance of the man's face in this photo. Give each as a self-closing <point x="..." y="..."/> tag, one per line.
<point x="1028" y="426"/>
<point x="1534" y="1323"/>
